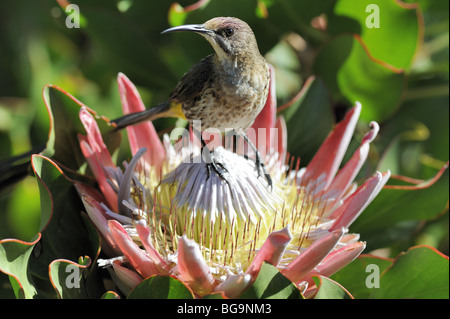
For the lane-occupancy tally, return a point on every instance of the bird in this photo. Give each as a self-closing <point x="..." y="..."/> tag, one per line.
<point x="225" y="90"/>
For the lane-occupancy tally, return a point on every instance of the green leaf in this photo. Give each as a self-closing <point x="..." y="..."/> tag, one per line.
<point x="271" y="284"/>
<point x="329" y="289"/>
<point x="161" y="287"/>
<point x="416" y="126"/>
<point x="394" y="41"/>
<point x="68" y="279"/>
<point x="309" y="119"/>
<point x="354" y="276"/>
<point x="353" y="75"/>
<point x="392" y="207"/>
<point x="177" y="15"/>
<point x="110" y="295"/>
<point x="422" y="272"/>
<point x="65" y="125"/>
<point x="62" y="144"/>
<point x="16" y="286"/>
<point x="66" y="233"/>
<point x="14" y="258"/>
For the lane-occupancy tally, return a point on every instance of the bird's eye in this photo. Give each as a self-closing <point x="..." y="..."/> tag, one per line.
<point x="228" y="32"/>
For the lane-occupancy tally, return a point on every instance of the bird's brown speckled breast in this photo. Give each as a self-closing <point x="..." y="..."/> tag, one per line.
<point x="222" y="100"/>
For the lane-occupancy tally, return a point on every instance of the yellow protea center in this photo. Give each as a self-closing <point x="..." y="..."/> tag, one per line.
<point x="230" y="219"/>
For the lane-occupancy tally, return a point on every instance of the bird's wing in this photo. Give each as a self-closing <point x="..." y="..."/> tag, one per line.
<point x="193" y="82"/>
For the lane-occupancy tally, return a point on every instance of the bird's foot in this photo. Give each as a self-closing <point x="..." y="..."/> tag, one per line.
<point x="261" y="168"/>
<point x="213" y="165"/>
<point x="259" y="165"/>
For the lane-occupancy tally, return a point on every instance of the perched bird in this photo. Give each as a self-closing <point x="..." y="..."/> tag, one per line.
<point x="226" y="90"/>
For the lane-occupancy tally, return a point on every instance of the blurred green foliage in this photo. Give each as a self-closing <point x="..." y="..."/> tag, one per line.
<point x="399" y="72"/>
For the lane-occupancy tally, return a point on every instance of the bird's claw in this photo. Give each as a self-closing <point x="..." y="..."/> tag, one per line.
<point x="260" y="167"/>
<point x="218" y="168"/>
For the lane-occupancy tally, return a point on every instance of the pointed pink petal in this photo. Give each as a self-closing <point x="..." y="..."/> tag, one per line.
<point x="96" y="214"/>
<point x="128" y="277"/>
<point x="348" y="173"/>
<point x="193" y="268"/>
<point x="336" y="260"/>
<point x="143" y="134"/>
<point x="329" y="156"/>
<point x="312" y="256"/>
<point x="271" y="251"/>
<point x="354" y="205"/>
<point x="349" y="239"/>
<point x="99" y="173"/>
<point x="145" y="236"/>
<point x="84" y="189"/>
<point x="235" y="285"/>
<point x="97" y="155"/>
<point x="137" y="258"/>
<point x="95" y="138"/>
<point x="266" y="119"/>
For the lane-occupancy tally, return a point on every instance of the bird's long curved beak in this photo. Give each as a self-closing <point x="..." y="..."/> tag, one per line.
<point x="198" y="28"/>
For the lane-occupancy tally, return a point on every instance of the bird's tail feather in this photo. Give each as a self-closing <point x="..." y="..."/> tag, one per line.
<point x="166" y="109"/>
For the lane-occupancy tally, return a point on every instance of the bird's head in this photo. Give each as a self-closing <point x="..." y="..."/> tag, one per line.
<point x="230" y="37"/>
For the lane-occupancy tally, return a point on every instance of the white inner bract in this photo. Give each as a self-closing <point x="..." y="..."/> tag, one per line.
<point x="229" y="219"/>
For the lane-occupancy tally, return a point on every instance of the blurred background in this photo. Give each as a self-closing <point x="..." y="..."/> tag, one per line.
<point x="392" y="57"/>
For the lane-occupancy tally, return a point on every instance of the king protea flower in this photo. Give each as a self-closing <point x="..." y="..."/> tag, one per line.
<point x="164" y="213"/>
